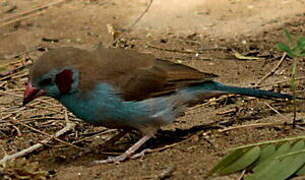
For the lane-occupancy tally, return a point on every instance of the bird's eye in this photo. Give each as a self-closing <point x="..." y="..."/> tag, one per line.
<point x="45" y="82"/>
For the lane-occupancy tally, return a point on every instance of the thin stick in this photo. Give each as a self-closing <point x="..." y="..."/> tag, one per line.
<point x="135" y="22"/>
<point x="25" y="63"/>
<point x="251" y="125"/>
<point x="44" y="133"/>
<point x="28" y="14"/>
<point x="276" y="111"/>
<point x="272" y="71"/>
<point x="20" y="96"/>
<point x="172" y="50"/>
<point x="140" y="17"/>
<point x="19" y="19"/>
<point x="69" y="126"/>
<point x="242" y="175"/>
<point x="8" y="76"/>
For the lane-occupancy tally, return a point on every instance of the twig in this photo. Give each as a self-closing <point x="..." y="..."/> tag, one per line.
<point x="3" y="84"/>
<point x="135" y="22"/>
<point x="17" y="129"/>
<point x="20" y="96"/>
<point x="14" y="71"/>
<point x="140" y="17"/>
<point x="44" y="133"/>
<point x="69" y="126"/>
<point x="13" y="75"/>
<point x="276" y="111"/>
<point x="242" y="175"/>
<point x="28" y="14"/>
<point x="300" y="127"/>
<point x="252" y="125"/>
<point x="271" y="72"/>
<point x="172" y="50"/>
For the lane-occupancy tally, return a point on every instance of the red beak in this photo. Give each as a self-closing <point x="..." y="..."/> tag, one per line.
<point x="31" y="93"/>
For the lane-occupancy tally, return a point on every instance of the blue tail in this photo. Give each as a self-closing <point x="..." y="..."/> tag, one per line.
<point x="212" y="86"/>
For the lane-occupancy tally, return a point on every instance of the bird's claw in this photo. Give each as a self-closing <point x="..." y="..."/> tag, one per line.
<point x="116" y="160"/>
<point x="141" y="154"/>
<point x="127" y="154"/>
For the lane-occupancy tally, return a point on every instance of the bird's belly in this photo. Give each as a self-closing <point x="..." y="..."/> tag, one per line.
<point x="104" y="108"/>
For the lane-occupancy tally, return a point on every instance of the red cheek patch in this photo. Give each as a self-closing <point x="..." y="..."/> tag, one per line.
<point x="64" y="81"/>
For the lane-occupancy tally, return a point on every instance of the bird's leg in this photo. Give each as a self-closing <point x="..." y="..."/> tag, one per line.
<point x="126" y="154"/>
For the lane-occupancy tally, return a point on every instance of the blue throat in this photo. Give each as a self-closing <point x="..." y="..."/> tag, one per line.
<point x="102" y="103"/>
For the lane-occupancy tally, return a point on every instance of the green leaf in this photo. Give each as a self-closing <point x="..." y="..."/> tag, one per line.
<point x="292" y="163"/>
<point x="301" y="43"/>
<point x="227" y="160"/>
<point x="244" y="161"/>
<point x="301" y="171"/>
<point x="299" y="47"/>
<point x="285" y="48"/>
<point x="263" y="172"/>
<point x="275" y="159"/>
<point x="288" y="35"/>
<point x="298" y="146"/>
<point x="282" y="166"/>
<point x="283" y="148"/>
<point x="266" y="152"/>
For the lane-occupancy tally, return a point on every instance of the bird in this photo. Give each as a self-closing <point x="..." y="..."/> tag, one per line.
<point x="124" y="89"/>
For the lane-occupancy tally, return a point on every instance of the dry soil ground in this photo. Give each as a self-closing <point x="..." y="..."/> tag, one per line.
<point x="203" y="34"/>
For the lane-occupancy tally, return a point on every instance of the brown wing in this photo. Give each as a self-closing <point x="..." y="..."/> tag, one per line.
<point x="164" y="77"/>
<point x="139" y="76"/>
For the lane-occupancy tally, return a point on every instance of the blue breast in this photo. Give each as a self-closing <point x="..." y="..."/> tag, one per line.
<point x="103" y="106"/>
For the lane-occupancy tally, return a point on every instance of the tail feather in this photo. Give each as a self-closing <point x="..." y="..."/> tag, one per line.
<point x="252" y="92"/>
<point x="211" y="87"/>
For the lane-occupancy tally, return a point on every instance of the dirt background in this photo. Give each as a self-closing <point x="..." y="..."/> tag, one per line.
<point x="203" y="34"/>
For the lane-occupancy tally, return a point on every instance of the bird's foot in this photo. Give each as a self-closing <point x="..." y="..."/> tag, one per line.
<point x="127" y="154"/>
<point x="116" y="159"/>
<point x="121" y="158"/>
<point x="141" y="154"/>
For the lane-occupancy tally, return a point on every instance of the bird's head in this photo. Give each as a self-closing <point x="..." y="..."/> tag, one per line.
<point x="54" y="83"/>
<point x="53" y="74"/>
